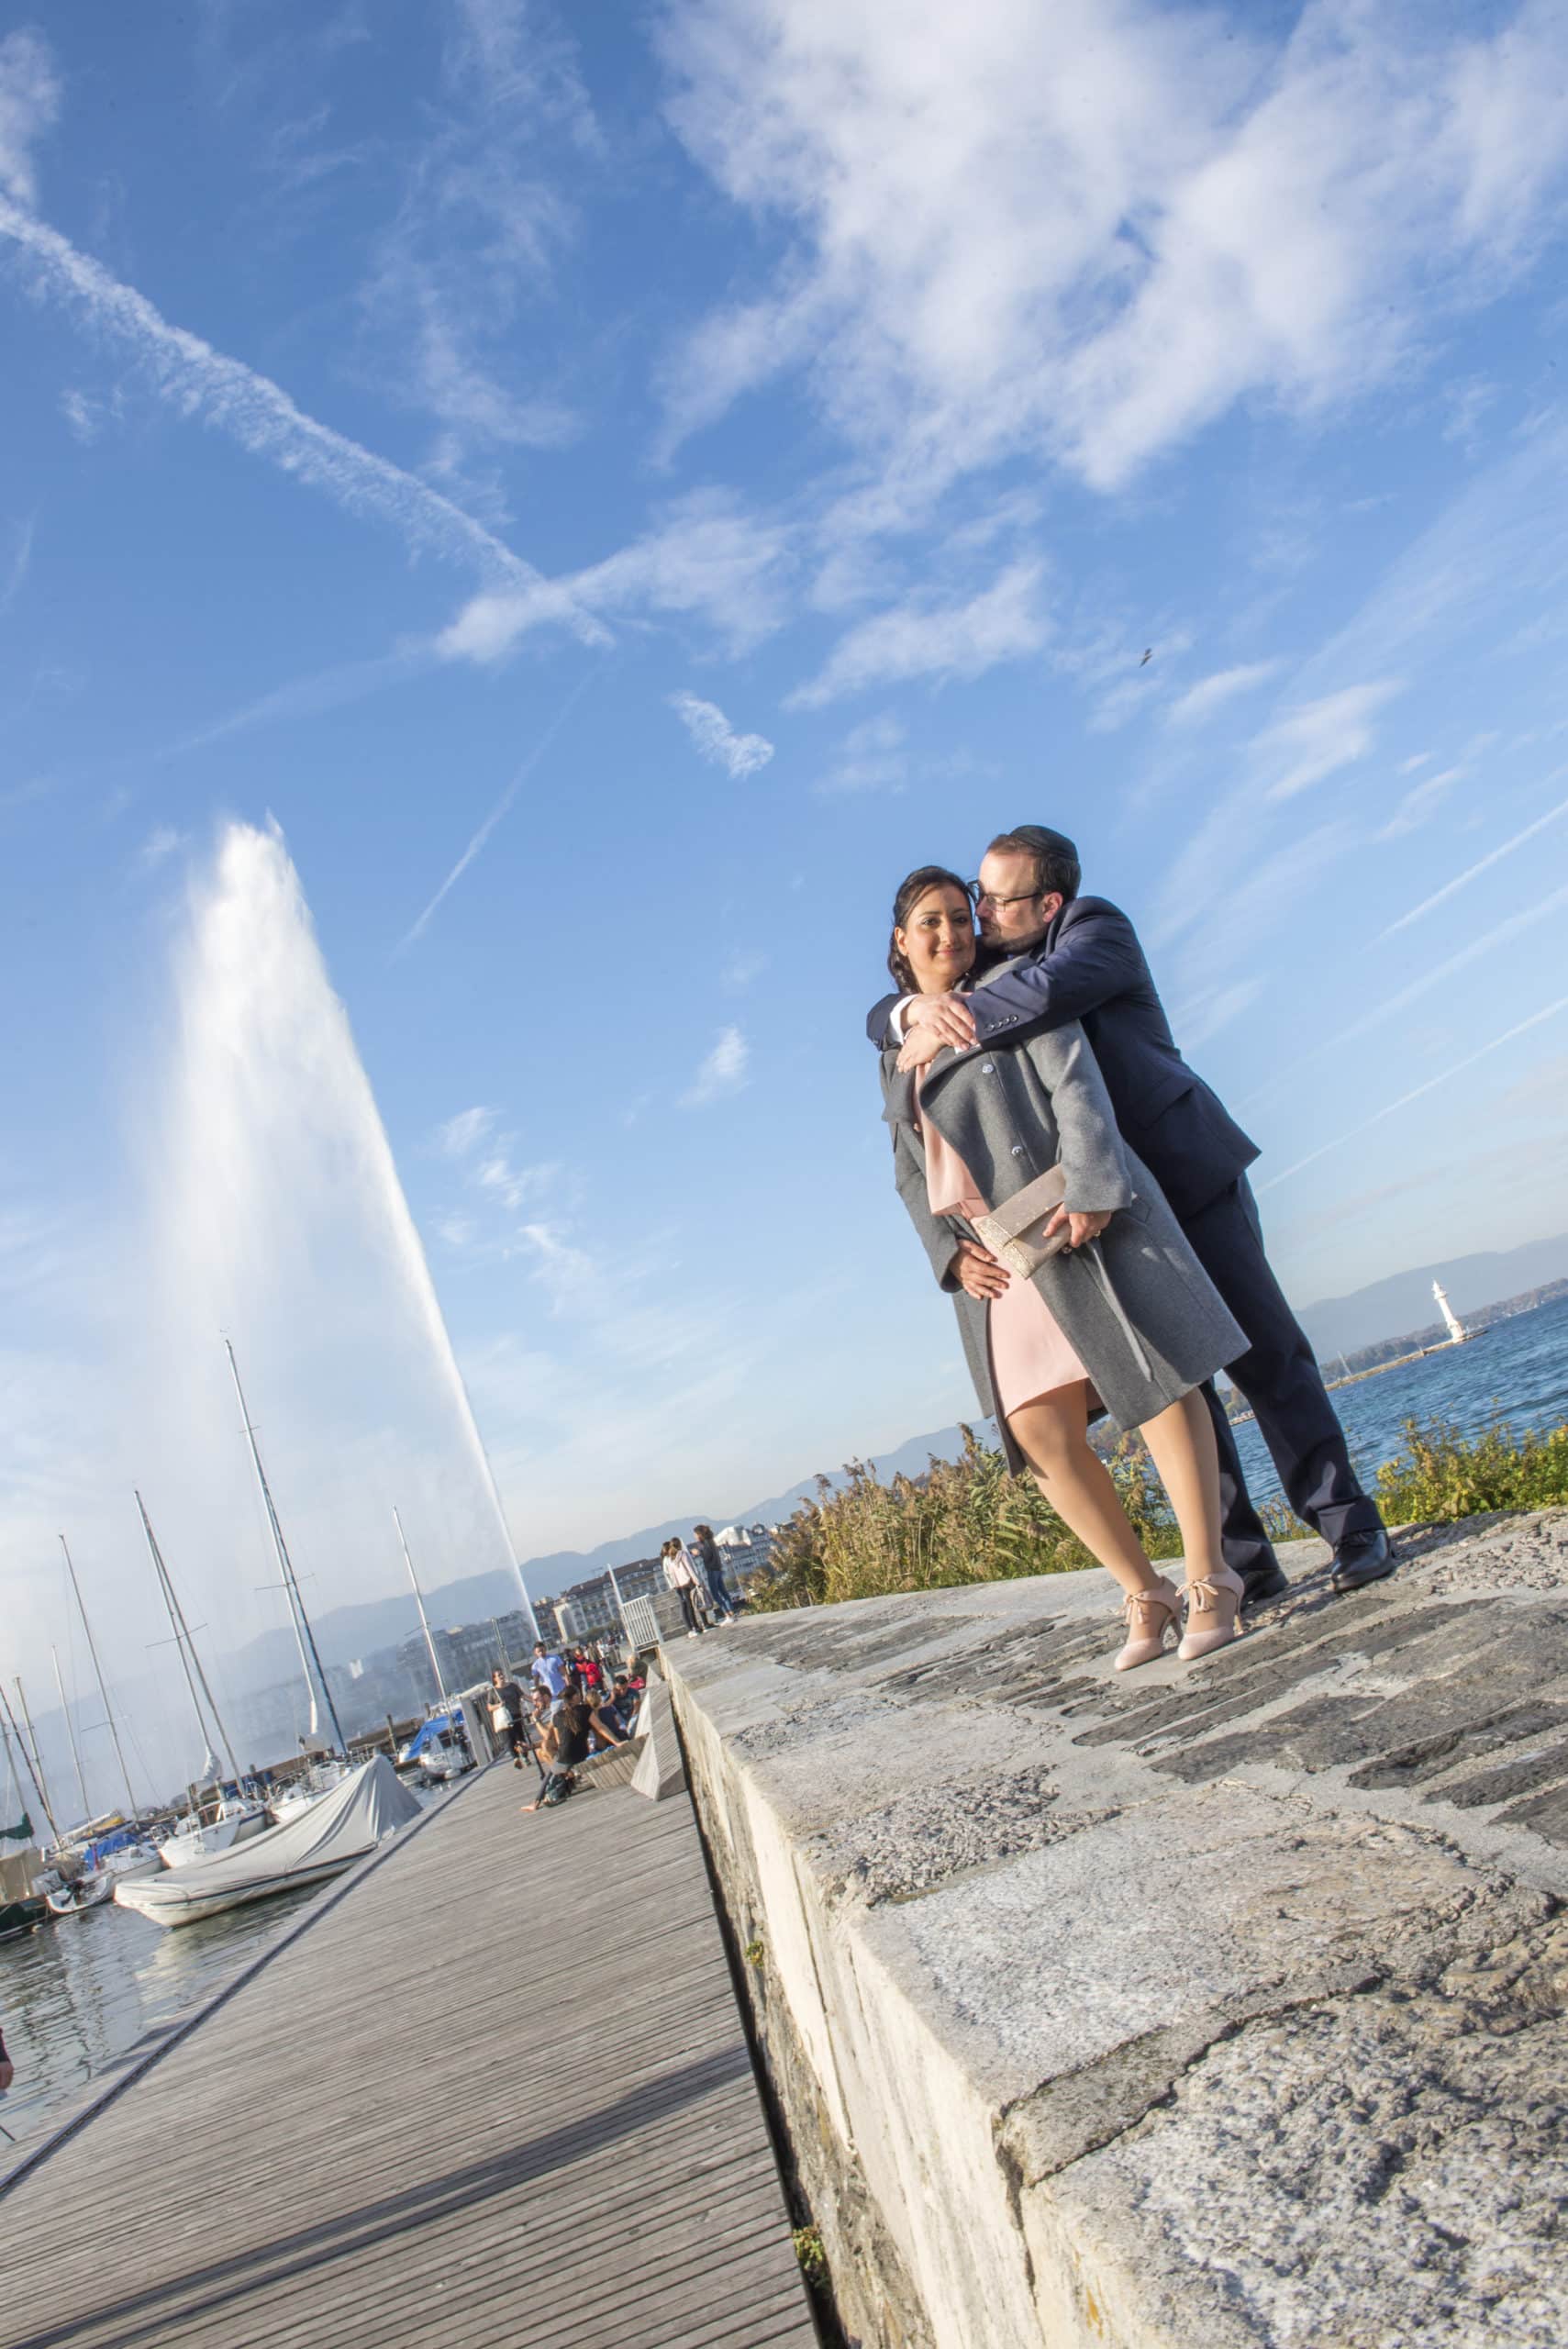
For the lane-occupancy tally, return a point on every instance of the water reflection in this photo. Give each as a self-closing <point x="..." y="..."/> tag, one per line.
<point x="79" y="1996"/>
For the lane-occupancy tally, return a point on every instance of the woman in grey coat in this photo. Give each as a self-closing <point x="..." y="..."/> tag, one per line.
<point x="1123" y="1320"/>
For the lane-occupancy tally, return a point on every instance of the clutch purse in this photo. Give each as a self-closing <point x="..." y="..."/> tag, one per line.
<point x="1015" y="1232"/>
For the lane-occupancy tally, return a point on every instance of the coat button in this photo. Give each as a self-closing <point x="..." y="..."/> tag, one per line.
<point x="986" y="1069"/>
<point x="1017" y="1150"/>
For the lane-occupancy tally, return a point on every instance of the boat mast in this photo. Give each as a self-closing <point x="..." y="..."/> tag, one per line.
<point x="7" y="1734"/>
<point x="98" y="1669"/>
<point x="71" y="1733"/>
<point x="303" y="1631"/>
<point x="32" y="1734"/>
<point x="423" y="1618"/>
<point x="187" y="1647"/>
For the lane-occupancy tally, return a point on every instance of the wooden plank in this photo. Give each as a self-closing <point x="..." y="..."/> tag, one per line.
<point x="501" y="2077"/>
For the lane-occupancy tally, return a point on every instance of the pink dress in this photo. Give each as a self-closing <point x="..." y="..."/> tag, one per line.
<point x="1029" y="1353"/>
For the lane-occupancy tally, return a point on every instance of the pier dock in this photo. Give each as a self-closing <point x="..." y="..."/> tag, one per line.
<point x="495" y="2090"/>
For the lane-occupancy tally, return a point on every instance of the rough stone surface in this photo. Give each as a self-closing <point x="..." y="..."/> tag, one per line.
<point x="1220" y="2004"/>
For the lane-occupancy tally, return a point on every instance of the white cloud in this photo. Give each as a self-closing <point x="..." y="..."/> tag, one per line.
<point x="922" y="640"/>
<point x="1317" y="738"/>
<point x="1199" y="702"/>
<point x="161" y="842"/>
<point x="88" y="416"/>
<point x="1174" y="214"/>
<point x="462" y="1134"/>
<point x="724" y="1071"/>
<point x="29" y="106"/>
<point x="870" y="757"/>
<point x="480" y="224"/>
<point x="1420" y="803"/>
<point x="715" y="739"/>
<point x="706" y="558"/>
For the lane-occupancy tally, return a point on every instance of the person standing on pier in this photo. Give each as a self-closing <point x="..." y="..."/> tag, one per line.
<point x="1076" y="958"/>
<point x="549" y="1669"/>
<point x="681" y="1573"/>
<point x="508" y="1715"/>
<point x="712" y="1565"/>
<point x="8" y="2070"/>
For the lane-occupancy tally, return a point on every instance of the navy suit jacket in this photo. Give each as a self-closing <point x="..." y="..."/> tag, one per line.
<point x="1090" y="966"/>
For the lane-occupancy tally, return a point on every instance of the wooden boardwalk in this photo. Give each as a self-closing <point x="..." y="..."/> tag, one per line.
<point x="498" y="2094"/>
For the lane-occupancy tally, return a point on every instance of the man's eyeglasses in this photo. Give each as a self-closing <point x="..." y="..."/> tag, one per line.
<point x="989" y="897"/>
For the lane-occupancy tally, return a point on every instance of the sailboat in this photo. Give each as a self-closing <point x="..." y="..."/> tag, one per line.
<point x="440" y="1750"/>
<point x="324" y="1775"/>
<point x="85" y="1875"/>
<point x="239" y="1813"/>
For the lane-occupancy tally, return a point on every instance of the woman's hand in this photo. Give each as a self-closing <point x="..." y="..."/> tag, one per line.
<point x="920" y="1049"/>
<point x="977" y="1271"/>
<point x="1078" y="1227"/>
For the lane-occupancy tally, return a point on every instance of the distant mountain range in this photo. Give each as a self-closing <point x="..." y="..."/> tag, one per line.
<point x="344" y="1632"/>
<point x="1403" y="1301"/>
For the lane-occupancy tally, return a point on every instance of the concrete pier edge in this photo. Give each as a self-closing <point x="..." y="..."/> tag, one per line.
<point x="1223" y="2004"/>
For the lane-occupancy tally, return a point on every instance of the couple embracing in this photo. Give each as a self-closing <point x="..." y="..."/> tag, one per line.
<point x="1083" y="1195"/>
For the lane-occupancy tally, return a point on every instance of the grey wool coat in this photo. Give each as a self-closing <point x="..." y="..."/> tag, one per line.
<point x="1136" y="1306"/>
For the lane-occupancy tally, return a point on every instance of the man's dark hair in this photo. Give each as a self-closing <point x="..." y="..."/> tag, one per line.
<point x="1056" y="865"/>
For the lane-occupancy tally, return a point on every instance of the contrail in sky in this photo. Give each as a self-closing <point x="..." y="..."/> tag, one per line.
<point x="488" y="826"/>
<point x="1498" y="935"/>
<point x="257" y="412"/>
<point x="1547" y="1011"/>
<point x="1450" y="888"/>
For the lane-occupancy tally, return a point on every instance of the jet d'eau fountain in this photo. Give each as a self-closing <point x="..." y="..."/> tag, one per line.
<point x="277" y="1216"/>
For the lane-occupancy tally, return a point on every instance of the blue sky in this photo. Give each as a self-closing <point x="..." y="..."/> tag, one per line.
<point x="617" y="489"/>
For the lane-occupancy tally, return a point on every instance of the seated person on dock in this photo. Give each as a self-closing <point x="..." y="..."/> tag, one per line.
<point x="565" y="1747"/>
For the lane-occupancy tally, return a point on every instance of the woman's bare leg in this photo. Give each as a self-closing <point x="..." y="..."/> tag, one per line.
<point x="1053" y="1433"/>
<point x="1182" y="1443"/>
<point x="1182" y="1440"/>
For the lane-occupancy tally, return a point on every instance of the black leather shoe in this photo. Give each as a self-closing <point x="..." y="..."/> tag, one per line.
<point x="1264" y="1581"/>
<point x="1361" y="1558"/>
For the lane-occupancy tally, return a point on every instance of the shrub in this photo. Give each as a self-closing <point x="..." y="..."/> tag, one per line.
<point x="1442" y="1474"/>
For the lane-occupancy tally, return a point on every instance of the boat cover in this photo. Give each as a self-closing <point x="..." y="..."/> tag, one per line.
<point x="429" y="1733"/>
<point x="334" y="1832"/>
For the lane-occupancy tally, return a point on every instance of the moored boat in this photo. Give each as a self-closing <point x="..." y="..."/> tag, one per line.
<point x="339" y="1829"/>
<point x="238" y="1818"/>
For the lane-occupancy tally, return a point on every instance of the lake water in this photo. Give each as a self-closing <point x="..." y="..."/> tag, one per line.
<point x="1517" y="1368"/>
<point x="79" y="1996"/>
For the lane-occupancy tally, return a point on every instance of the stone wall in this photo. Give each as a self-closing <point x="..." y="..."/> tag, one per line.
<point x="1220" y="2004"/>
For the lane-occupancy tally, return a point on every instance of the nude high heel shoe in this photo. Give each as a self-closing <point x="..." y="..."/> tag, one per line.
<point x="1150" y="1614"/>
<point x="1213" y="1605"/>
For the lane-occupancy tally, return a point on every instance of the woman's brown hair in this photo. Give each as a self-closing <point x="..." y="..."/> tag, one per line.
<point x="910" y="892"/>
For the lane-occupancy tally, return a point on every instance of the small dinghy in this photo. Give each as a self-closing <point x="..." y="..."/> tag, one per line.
<point x="81" y="1893"/>
<point x="338" y="1830"/>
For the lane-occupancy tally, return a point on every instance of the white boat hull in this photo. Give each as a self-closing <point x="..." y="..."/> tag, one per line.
<point x="337" y="1829"/>
<point x="206" y="1842"/>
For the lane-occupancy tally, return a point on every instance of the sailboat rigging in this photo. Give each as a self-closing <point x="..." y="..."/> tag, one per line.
<point x="303" y="1635"/>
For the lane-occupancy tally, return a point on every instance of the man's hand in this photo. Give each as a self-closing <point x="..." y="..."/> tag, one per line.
<point x="977" y="1271"/>
<point x="1078" y="1227"/>
<point x="949" y="1015"/>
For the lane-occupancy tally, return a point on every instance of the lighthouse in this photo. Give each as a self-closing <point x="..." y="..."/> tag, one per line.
<point x="1457" y="1332"/>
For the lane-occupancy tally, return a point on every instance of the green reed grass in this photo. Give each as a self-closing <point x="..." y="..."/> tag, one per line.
<point x="967" y="1520"/>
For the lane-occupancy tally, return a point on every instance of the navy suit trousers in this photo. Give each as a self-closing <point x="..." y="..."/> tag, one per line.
<point x="1280" y="1379"/>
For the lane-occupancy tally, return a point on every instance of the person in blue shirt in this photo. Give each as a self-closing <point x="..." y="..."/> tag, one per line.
<point x="550" y="1670"/>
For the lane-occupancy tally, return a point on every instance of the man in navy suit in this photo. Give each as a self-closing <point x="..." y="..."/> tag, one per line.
<point x="1081" y="959"/>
